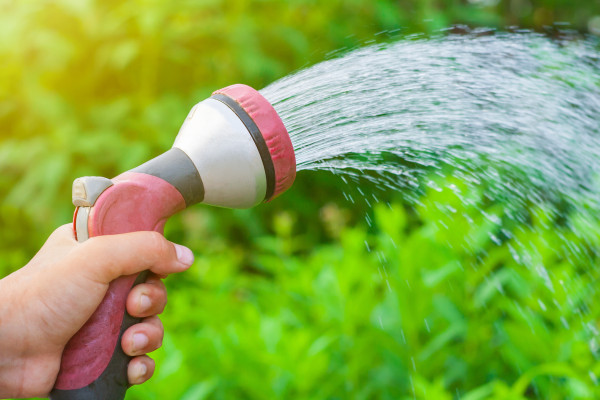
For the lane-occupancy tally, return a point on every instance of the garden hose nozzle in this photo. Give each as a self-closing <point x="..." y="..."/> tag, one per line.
<point x="232" y="151"/>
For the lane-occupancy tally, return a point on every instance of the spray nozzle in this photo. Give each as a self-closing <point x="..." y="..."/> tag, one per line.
<point x="239" y="147"/>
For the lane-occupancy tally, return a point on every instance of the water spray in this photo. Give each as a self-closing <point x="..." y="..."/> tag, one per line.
<point x="232" y="151"/>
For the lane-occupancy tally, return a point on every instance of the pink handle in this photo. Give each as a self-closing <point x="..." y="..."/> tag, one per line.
<point x="136" y="202"/>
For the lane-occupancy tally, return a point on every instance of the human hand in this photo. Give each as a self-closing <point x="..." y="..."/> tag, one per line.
<point x="43" y="304"/>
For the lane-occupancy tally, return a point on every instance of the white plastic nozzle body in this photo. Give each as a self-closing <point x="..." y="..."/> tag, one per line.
<point x="225" y="155"/>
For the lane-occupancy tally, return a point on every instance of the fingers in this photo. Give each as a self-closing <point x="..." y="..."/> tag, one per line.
<point x="143" y="338"/>
<point x="140" y="369"/>
<point x="136" y="341"/>
<point x="111" y="256"/>
<point x="146" y="299"/>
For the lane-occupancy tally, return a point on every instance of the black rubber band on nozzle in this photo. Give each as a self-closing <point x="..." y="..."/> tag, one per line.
<point x="258" y="138"/>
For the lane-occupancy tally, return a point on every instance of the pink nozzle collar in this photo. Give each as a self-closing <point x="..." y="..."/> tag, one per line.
<point x="273" y="132"/>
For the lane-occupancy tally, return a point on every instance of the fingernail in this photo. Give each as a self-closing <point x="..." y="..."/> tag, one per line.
<point x="139" y="371"/>
<point x="184" y="255"/>
<point x="145" y="302"/>
<point x="139" y="341"/>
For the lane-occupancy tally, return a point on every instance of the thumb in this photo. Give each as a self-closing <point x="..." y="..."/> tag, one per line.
<point x="109" y="257"/>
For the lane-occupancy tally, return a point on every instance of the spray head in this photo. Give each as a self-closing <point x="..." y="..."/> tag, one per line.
<point x="239" y="146"/>
<point x="238" y="152"/>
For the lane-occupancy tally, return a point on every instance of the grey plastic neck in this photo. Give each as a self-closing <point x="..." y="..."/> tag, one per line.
<point x="175" y="167"/>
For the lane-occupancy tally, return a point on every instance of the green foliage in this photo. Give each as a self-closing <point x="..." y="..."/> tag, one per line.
<point x="423" y="304"/>
<point x="301" y="298"/>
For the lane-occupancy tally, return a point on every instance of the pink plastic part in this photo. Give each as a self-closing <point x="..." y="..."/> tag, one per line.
<point x="136" y="202"/>
<point x="273" y="131"/>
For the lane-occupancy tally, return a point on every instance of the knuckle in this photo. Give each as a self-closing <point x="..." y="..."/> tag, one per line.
<point x="159" y="306"/>
<point x="159" y="338"/>
<point x="157" y="285"/>
<point x="155" y="321"/>
<point x="150" y="320"/>
<point x="158" y="244"/>
<point x="62" y="231"/>
<point x="151" y="247"/>
<point x="156" y="239"/>
<point x="156" y="293"/>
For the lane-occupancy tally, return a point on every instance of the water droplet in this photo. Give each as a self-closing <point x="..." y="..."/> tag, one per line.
<point x="543" y="273"/>
<point x="495" y="239"/>
<point x="542" y="305"/>
<point x="593" y="377"/>
<point x="593" y="344"/>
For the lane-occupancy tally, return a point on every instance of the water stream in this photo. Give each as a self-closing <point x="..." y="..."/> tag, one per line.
<point x="517" y="112"/>
<point x="515" y="115"/>
<point x="494" y="107"/>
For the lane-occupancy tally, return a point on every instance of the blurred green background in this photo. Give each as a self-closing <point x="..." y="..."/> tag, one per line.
<point x="303" y="298"/>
